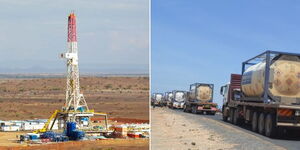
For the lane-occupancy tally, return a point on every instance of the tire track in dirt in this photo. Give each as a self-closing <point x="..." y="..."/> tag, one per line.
<point x="171" y="131"/>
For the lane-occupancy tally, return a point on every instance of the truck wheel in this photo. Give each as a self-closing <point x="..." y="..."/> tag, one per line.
<point x="184" y="108"/>
<point x="231" y="115"/>
<point x="261" y="123"/>
<point x="236" y="117"/>
<point x="270" y="127"/>
<point x="254" y="122"/>
<point x="187" y="109"/>
<point x="225" y="118"/>
<point x="194" y="109"/>
<point x="190" y="109"/>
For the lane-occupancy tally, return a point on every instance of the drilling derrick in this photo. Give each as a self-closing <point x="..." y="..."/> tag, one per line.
<point x="75" y="108"/>
<point x="75" y="105"/>
<point x="74" y="99"/>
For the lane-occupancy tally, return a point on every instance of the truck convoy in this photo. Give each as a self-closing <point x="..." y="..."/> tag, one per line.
<point x="157" y="99"/>
<point x="266" y="94"/>
<point x="177" y="100"/>
<point x="200" y="99"/>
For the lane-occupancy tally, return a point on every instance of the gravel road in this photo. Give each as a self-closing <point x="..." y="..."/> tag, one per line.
<point x="174" y="129"/>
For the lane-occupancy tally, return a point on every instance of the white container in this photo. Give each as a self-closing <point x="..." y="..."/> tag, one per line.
<point x="10" y="128"/>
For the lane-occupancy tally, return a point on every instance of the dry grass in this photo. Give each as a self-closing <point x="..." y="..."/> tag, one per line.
<point x="38" y="98"/>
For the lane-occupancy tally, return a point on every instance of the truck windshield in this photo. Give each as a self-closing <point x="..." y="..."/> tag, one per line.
<point x="225" y="90"/>
<point x="179" y="96"/>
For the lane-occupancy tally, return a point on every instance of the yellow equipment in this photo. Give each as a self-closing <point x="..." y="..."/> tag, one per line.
<point x="45" y="128"/>
<point x="58" y="113"/>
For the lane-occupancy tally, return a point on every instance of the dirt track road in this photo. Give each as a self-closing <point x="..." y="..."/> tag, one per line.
<point x="172" y="131"/>
<point x="176" y="130"/>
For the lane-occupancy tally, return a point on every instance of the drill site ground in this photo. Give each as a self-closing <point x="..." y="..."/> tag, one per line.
<point x="115" y="144"/>
<point x="37" y="98"/>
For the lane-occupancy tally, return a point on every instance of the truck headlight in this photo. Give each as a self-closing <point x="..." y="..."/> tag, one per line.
<point x="297" y="113"/>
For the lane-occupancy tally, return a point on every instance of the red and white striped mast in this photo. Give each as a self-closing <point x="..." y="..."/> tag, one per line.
<point x="74" y="99"/>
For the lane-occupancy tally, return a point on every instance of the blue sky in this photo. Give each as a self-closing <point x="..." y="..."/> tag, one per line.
<point x="113" y="36"/>
<point x="206" y="41"/>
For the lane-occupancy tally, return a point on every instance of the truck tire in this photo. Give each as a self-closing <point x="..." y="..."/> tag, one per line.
<point x="261" y="123"/>
<point x="270" y="127"/>
<point x="225" y="118"/>
<point x="190" y="109"/>
<point x="236" y="117"/>
<point x="194" y="109"/>
<point x="231" y="115"/>
<point x="186" y="108"/>
<point x="254" y="122"/>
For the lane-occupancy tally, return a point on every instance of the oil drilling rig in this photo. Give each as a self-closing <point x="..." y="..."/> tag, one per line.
<point x="75" y="108"/>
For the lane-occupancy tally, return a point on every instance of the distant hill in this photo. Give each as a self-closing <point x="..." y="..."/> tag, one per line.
<point x="36" y="75"/>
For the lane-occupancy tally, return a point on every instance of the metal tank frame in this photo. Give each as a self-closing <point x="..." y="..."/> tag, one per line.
<point x="268" y="56"/>
<point x="162" y="95"/>
<point x="153" y="97"/>
<point x="199" y="84"/>
<point x="166" y="95"/>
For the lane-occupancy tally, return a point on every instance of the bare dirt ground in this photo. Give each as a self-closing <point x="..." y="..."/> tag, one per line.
<point x="124" y="99"/>
<point x="175" y="132"/>
<point x="115" y="144"/>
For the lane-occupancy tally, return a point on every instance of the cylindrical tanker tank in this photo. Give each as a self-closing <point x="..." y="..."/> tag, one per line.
<point x="284" y="78"/>
<point x="158" y="97"/>
<point x="202" y="92"/>
<point x="179" y="96"/>
<point x="169" y="96"/>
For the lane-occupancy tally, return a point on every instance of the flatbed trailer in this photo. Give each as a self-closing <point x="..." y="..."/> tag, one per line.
<point x="284" y="113"/>
<point x="266" y="119"/>
<point x="266" y="116"/>
<point x="200" y="108"/>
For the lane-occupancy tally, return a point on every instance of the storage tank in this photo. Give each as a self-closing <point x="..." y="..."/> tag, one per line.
<point x="179" y="96"/>
<point x="158" y="97"/>
<point x="71" y="126"/>
<point x="169" y="96"/>
<point x="202" y="92"/>
<point x="284" y="82"/>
